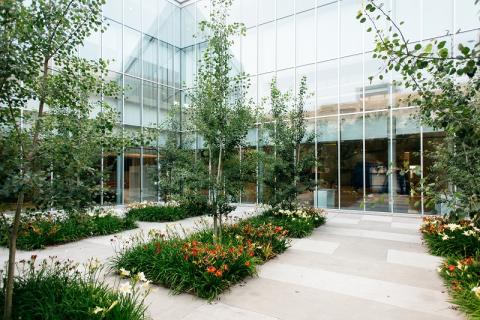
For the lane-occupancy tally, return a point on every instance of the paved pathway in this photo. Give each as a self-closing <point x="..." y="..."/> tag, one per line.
<point x="354" y="267"/>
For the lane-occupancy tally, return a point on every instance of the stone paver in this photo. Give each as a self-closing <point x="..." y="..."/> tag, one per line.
<point x="355" y="267"/>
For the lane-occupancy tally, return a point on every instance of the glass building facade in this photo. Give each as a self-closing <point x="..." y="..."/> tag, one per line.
<point x="370" y="151"/>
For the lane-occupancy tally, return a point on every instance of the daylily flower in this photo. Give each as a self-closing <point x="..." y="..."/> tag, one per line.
<point x="476" y="290"/>
<point x="141" y="277"/>
<point x="125" y="288"/>
<point x="124" y="273"/>
<point x="97" y="310"/>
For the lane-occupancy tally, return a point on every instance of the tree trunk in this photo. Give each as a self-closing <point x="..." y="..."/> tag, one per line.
<point x="12" y="251"/>
<point x="217" y="187"/>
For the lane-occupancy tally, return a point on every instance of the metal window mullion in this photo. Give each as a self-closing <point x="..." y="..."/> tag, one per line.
<point x="364" y="174"/>
<point x="122" y="166"/>
<point x="315" y="204"/>
<point x="141" y="101"/>
<point x="339" y="184"/>
<point x="101" y="110"/>
<point x="421" y="124"/>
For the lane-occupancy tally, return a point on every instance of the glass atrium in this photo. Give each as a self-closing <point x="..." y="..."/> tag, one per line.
<point x="369" y="150"/>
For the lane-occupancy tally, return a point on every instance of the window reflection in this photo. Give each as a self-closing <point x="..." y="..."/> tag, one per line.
<point x="327" y="163"/>
<point x="351" y="162"/>
<point x="266" y="47"/>
<point x="377" y="178"/>
<point x="351" y="84"/>
<point x="406" y="162"/>
<point x="132" y="50"/>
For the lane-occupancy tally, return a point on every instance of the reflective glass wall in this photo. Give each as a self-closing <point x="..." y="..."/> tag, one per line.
<point x="369" y="149"/>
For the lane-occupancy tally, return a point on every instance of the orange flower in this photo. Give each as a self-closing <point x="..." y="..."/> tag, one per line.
<point x="251" y="254"/>
<point x="278" y="229"/>
<point x="225" y="267"/>
<point x="451" y="267"/>
<point x="211" y="269"/>
<point x="247" y="264"/>
<point x="219" y="273"/>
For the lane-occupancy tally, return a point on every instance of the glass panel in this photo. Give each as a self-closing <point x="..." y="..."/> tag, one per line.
<point x="188" y="25"/>
<point x="376" y="161"/>
<point x="305" y="34"/>
<point x="249" y="51"/>
<point x="308" y="72"/>
<point x="132" y="52"/>
<point x="327" y="32"/>
<point x="169" y="22"/>
<point x="406" y="162"/>
<point x="188" y="66"/>
<point x="132" y="105"/>
<point x="132" y="14"/>
<point x="284" y="8"/>
<point x="150" y="58"/>
<point x="249" y="12"/>
<point x="409" y="11"/>
<point x="264" y="82"/>
<point x="150" y="175"/>
<point x="286" y="81"/>
<point x="266" y="11"/>
<point x="327" y="87"/>
<point x="150" y="98"/>
<point x="164" y="106"/>
<point x="351" y="84"/>
<point x="351" y="162"/>
<point x="113" y="9"/>
<point x="112" y="45"/>
<point x="303" y="5"/>
<point x="285" y="49"/>
<point x="149" y="17"/>
<point x="350" y="29"/>
<point x="437" y="18"/>
<point x="266" y="47"/>
<point x="377" y="92"/>
<point x="466" y="15"/>
<point x="327" y="163"/>
<point x="132" y="173"/>
<point x="91" y="47"/>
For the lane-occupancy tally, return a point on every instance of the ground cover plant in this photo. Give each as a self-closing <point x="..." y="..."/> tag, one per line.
<point x="169" y="211"/>
<point x="198" y="264"/>
<point x="59" y="290"/>
<point x="299" y="223"/>
<point x="459" y="243"/>
<point x="44" y="229"/>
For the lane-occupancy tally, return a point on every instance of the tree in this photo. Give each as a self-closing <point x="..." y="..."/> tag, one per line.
<point x="446" y="89"/>
<point x="219" y="110"/>
<point x="287" y="169"/>
<point x="51" y="143"/>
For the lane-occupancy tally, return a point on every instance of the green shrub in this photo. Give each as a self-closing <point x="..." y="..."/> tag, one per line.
<point x="199" y="266"/>
<point x="60" y="290"/>
<point x="42" y="230"/>
<point x="158" y="213"/>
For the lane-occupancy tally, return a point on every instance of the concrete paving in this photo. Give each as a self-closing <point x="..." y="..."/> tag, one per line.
<point x="354" y="267"/>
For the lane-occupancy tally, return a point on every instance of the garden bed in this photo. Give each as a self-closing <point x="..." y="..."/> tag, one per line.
<point x="459" y="244"/>
<point x="40" y="230"/>
<point x="64" y="290"/>
<point x="199" y="265"/>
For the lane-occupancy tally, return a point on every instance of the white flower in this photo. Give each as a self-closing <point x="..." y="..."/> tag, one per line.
<point x="125" y="288"/>
<point x="124" y="273"/>
<point x="445" y="237"/>
<point x="97" y="310"/>
<point x="146" y="285"/>
<point x="476" y="290"/>
<point x="439" y="270"/>
<point x="469" y="233"/>
<point x="453" y="226"/>
<point x="141" y="277"/>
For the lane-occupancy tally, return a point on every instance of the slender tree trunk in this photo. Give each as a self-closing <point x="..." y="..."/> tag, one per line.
<point x="12" y="245"/>
<point x="217" y="186"/>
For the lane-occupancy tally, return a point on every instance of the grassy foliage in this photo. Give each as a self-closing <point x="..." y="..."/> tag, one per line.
<point x="62" y="290"/>
<point x="38" y="231"/>
<point x="197" y="264"/>
<point x="459" y="243"/>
